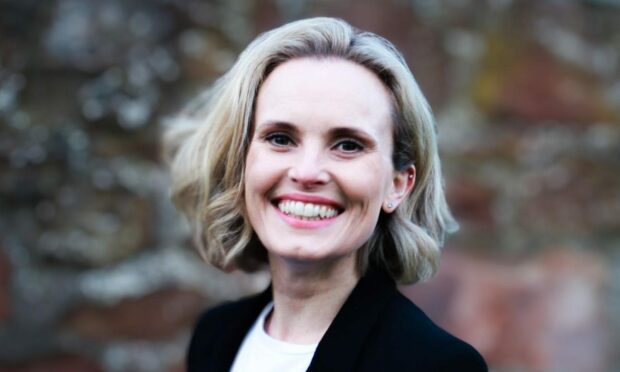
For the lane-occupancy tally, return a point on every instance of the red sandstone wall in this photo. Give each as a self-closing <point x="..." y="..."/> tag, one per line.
<point x="96" y="270"/>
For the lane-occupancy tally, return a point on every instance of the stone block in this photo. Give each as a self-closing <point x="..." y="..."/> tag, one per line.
<point x="545" y="313"/>
<point x="471" y="201"/>
<point x="5" y="286"/>
<point x="156" y="316"/>
<point x="521" y="79"/>
<point x="55" y="363"/>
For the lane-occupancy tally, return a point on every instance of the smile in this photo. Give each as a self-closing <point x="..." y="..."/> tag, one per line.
<point x="306" y="211"/>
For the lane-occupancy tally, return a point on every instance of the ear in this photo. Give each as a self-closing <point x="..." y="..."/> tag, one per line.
<point x="402" y="184"/>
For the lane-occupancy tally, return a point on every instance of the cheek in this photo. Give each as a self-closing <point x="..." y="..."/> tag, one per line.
<point x="367" y="181"/>
<point x="252" y="170"/>
<point x="261" y="173"/>
<point x="253" y="187"/>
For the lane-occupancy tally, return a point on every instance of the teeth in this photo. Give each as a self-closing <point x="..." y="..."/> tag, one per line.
<point x="298" y="209"/>
<point x="306" y="211"/>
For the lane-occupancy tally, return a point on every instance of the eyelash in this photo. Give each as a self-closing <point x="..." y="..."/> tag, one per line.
<point x="274" y="138"/>
<point x="271" y="138"/>
<point x="358" y="146"/>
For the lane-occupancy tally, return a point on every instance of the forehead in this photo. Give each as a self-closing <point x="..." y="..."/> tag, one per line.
<point x="326" y="91"/>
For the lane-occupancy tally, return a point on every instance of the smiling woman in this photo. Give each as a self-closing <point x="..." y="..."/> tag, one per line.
<point x="338" y="158"/>
<point x="315" y="156"/>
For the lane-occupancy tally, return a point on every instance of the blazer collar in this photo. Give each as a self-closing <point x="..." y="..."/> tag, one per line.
<point x="341" y="345"/>
<point x="231" y="340"/>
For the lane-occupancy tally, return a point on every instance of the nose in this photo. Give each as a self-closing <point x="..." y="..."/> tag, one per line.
<point x="309" y="169"/>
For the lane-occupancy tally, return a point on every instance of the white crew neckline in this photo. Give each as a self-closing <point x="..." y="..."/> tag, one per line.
<point x="276" y="345"/>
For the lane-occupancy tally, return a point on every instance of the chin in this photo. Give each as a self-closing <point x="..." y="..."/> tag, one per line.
<point x="309" y="254"/>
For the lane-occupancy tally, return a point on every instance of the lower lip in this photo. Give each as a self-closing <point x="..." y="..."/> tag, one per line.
<point x="305" y="224"/>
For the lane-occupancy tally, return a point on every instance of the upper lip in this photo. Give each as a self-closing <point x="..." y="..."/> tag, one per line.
<point x="314" y="199"/>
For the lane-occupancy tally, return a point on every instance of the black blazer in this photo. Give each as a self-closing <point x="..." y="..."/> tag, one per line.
<point x="377" y="329"/>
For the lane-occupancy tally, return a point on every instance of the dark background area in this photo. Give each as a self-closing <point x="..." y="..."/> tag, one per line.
<point x="96" y="269"/>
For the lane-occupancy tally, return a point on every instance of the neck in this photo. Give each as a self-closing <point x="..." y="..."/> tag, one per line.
<point x="307" y="297"/>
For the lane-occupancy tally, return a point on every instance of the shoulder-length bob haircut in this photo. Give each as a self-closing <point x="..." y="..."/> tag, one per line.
<point x="208" y="142"/>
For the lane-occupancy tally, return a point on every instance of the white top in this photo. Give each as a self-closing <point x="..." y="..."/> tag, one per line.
<point x="262" y="353"/>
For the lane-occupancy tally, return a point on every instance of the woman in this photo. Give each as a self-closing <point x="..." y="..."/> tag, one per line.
<point x="315" y="155"/>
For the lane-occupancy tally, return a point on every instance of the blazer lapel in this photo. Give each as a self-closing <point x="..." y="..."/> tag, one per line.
<point x="239" y="325"/>
<point x="341" y="345"/>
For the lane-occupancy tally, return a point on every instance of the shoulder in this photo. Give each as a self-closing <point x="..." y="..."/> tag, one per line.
<point x="217" y="317"/>
<point x="223" y="326"/>
<point x="414" y="338"/>
<point x="210" y="325"/>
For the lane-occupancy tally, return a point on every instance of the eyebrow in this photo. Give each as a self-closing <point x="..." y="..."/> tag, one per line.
<point x="276" y="125"/>
<point x="333" y="133"/>
<point x="353" y="132"/>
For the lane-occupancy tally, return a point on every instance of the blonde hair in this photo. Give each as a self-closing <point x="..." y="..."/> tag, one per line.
<point x="207" y="146"/>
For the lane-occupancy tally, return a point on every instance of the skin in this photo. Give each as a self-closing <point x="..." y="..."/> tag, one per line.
<point x="322" y="134"/>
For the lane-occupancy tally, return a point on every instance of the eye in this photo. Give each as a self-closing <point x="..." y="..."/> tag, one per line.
<point x="349" y="146"/>
<point x="279" y="139"/>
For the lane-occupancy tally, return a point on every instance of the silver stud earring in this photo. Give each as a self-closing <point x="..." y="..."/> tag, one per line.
<point x="390" y="205"/>
<point x="411" y="176"/>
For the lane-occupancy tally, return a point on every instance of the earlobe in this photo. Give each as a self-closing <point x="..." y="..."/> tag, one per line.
<point x="402" y="184"/>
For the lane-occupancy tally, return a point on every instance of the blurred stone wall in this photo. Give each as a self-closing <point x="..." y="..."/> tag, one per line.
<point x="96" y="270"/>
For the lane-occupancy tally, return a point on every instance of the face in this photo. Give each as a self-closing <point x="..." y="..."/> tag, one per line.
<point x="319" y="169"/>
